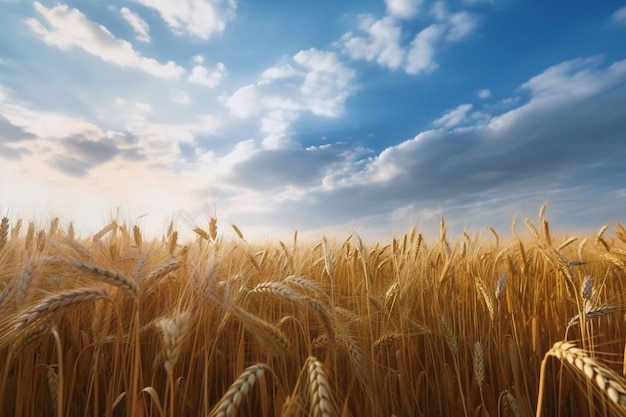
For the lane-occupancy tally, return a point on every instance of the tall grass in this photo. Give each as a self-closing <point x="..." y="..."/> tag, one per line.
<point x="483" y="325"/>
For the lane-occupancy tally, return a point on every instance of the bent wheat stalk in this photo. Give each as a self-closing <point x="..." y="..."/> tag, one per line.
<point x="607" y="380"/>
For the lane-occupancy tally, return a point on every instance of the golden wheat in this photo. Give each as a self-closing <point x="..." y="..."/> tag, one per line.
<point x="228" y="405"/>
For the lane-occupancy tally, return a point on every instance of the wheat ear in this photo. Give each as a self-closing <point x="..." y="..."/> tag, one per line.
<point x="277" y="291"/>
<point x="4" y="231"/>
<point x="174" y="332"/>
<point x="323" y="315"/>
<point x="229" y="403"/>
<point x="479" y="364"/>
<point x="318" y="388"/>
<point x="109" y="276"/>
<point x="57" y="302"/>
<point x="609" y="381"/>
<point x="264" y="331"/>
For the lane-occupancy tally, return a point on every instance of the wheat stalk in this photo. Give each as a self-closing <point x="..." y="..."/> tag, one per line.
<point x="229" y="403"/>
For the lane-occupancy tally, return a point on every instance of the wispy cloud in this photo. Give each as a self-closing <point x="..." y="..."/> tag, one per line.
<point x="619" y="17"/>
<point x="454" y="117"/>
<point x="484" y="93"/>
<point x="199" y="18"/>
<point x="70" y="28"/>
<point x="141" y="28"/>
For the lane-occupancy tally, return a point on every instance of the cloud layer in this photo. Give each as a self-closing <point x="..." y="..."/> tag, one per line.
<point x="378" y="124"/>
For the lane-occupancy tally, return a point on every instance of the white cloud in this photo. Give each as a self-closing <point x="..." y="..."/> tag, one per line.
<point x="461" y="25"/>
<point x="244" y="102"/>
<point x="484" y="93"/>
<point x="69" y="27"/>
<point x="282" y="71"/>
<point x="619" y="16"/>
<point x="181" y="97"/>
<point x="382" y="43"/>
<point x="141" y="28"/>
<point x="454" y="117"/>
<point x="210" y="78"/>
<point x="421" y="55"/>
<point x="403" y="8"/>
<point x="44" y="124"/>
<point x="438" y="10"/>
<point x="320" y="84"/>
<point x="577" y="77"/>
<point x="200" y="18"/>
<point x="327" y="83"/>
<point x="569" y="81"/>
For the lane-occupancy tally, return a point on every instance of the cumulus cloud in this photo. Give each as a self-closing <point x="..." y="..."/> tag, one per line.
<point x="282" y="168"/>
<point x="281" y="71"/>
<point x="577" y="134"/>
<point x="141" y="28"/>
<point x="316" y="81"/>
<point x="199" y="18"/>
<point x="382" y="43"/>
<point x="68" y="28"/>
<point x="11" y="133"/>
<point x="403" y="8"/>
<point x="327" y="82"/>
<point x="421" y="55"/>
<point x="77" y="147"/>
<point x="461" y="25"/>
<point x="207" y="77"/>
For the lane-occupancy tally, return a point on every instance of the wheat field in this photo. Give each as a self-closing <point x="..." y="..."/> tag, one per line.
<point x="476" y="325"/>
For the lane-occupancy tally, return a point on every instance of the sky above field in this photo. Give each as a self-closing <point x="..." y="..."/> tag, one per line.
<point x="365" y="116"/>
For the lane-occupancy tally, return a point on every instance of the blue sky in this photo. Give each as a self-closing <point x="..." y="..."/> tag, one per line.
<point x="326" y="117"/>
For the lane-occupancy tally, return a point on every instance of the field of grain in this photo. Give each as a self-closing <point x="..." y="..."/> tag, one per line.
<point x="471" y="325"/>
